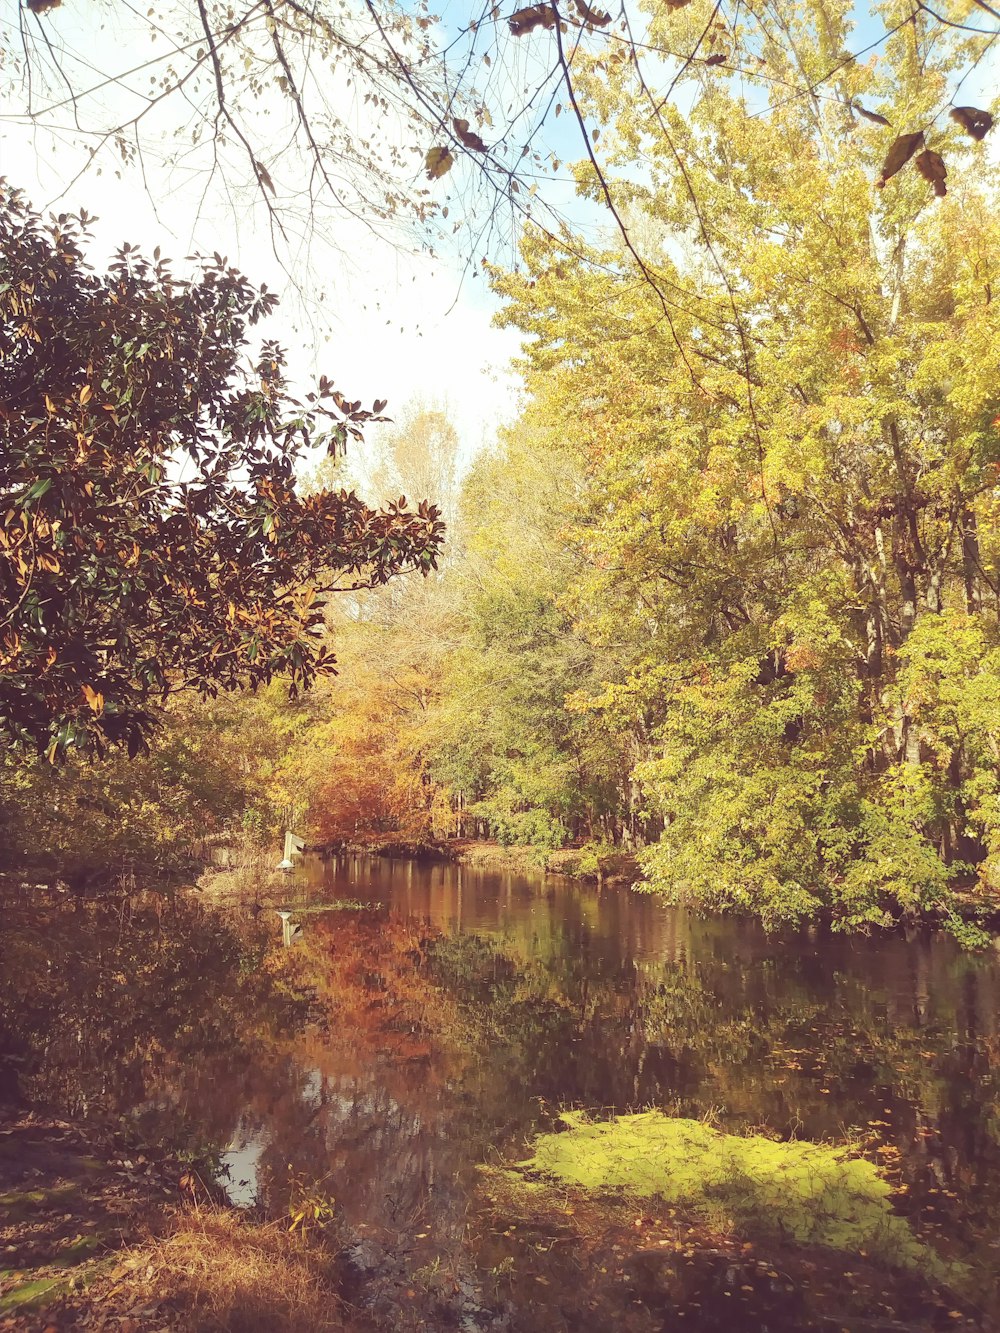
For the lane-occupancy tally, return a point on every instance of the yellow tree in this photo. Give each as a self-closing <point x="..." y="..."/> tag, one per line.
<point x="787" y="401"/>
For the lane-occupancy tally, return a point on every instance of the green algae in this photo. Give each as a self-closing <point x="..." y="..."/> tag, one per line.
<point x="807" y="1193"/>
<point x="21" y="1205"/>
<point x="33" y="1295"/>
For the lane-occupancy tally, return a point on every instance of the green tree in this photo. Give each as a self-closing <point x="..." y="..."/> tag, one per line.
<point x="792" y="474"/>
<point x="500" y="732"/>
<point x="152" y="815"/>
<point x="154" y="538"/>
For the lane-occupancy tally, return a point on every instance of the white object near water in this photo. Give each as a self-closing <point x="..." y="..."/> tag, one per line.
<point x="293" y="847"/>
<point x="289" y="931"/>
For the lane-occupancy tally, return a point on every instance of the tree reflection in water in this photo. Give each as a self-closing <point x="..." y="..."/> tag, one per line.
<point x="449" y="1027"/>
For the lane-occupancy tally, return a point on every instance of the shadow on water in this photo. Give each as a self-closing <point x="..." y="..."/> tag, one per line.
<point x="465" y="1012"/>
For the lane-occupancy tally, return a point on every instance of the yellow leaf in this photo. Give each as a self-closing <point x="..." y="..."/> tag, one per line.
<point x="94" y="698"/>
<point x="86" y="393"/>
<point x="439" y="161"/>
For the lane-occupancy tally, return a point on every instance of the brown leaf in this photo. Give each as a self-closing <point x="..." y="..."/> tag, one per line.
<point x="873" y="116"/>
<point x="719" y="58"/>
<point x="86" y="393"/>
<point x="972" y="120"/>
<point x="677" y="4"/>
<point x="40" y="6"/>
<point x="527" y="20"/>
<point x="595" y="16"/>
<point x="900" y="152"/>
<point x="468" y="137"/>
<point x="931" y="166"/>
<point x="264" y="176"/>
<point x="439" y="161"/>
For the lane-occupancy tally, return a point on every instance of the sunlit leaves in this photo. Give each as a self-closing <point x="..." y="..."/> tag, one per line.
<point x="768" y="520"/>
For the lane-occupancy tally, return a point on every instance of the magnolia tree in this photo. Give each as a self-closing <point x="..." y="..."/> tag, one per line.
<point x="153" y="536"/>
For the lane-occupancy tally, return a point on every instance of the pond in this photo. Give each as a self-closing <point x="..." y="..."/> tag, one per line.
<point x="555" y="996"/>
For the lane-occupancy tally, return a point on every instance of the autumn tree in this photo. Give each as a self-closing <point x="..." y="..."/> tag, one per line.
<point x="154" y="537"/>
<point x="793" y="457"/>
<point x="360" y="761"/>
<point x="404" y="119"/>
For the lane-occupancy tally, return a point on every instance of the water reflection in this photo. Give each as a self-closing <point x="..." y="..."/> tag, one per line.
<point x="613" y="1001"/>
<point x="552" y="994"/>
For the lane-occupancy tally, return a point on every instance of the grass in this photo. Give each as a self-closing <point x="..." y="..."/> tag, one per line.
<point x="214" y="1269"/>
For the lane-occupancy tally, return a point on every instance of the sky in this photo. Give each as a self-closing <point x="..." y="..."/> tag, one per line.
<point x="381" y="318"/>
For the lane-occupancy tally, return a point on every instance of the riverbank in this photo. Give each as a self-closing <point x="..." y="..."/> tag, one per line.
<point x="590" y="863"/>
<point x="95" y="1235"/>
<point x="112" y="1214"/>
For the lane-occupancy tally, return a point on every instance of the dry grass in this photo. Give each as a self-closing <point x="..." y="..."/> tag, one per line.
<point x="212" y="1269"/>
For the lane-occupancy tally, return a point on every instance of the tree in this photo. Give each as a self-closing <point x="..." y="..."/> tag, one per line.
<point x="793" y="483"/>
<point x="499" y="731"/>
<point x="153" y="814"/>
<point x="327" y="113"/>
<point x="360" y="764"/>
<point x="154" y="538"/>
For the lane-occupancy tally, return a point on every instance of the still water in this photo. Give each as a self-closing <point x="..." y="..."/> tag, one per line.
<point x="612" y="1001"/>
<point x="564" y="997"/>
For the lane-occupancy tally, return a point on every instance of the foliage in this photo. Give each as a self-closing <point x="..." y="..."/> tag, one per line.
<point x="153" y="814"/>
<point x="310" y="1208"/>
<point x="154" y="539"/>
<point x="788" y="527"/>
<point x="500" y="732"/>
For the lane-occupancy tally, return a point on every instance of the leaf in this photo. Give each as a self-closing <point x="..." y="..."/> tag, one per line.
<point x="94" y="698"/>
<point x="972" y="120"/>
<point x="931" y="166"/>
<point x="264" y="176"/>
<point x="719" y="58"/>
<point x="86" y="393"/>
<point x="900" y="152"/>
<point x="597" y="17"/>
<point x="677" y="4"/>
<point x="439" y="161"/>
<point x="40" y="6"/>
<point x="527" y="20"/>
<point x="469" y="138"/>
<point x="37" y="489"/>
<point x="873" y="116"/>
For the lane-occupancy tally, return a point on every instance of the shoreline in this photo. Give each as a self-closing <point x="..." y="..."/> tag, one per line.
<point x="617" y="869"/>
<point x="580" y="863"/>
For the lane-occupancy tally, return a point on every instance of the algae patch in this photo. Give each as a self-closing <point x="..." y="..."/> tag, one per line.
<point x="810" y="1193"/>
